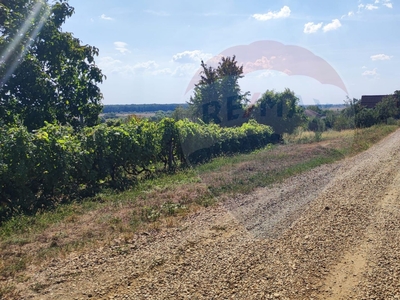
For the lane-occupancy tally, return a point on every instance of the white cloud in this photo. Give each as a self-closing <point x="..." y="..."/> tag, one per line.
<point x="157" y="13"/>
<point x="271" y="73"/>
<point x="371" y="7"/>
<point x="191" y="56"/>
<point x="310" y="27"/>
<point x="388" y="4"/>
<point x="266" y="74"/>
<point x="121" y="47"/>
<point x="363" y="67"/>
<point x="111" y="65"/>
<point x="165" y="71"/>
<point x="144" y="66"/>
<point x="335" y="24"/>
<point x="349" y="14"/>
<point x="283" y="13"/>
<point x="185" y="70"/>
<point x="181" y="70"/>
<point x="104" y="17"/>
<point x="370" y="73"/>
<point x="381" y="57"/>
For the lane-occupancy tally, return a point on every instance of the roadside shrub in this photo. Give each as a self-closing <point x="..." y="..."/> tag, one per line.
<point x="54" y="164"/>
<point x="366" y="118"/>
<point x="316" y="124"/>
<point x="391" y="121"/>
<point x="201" y="142"/>
<point x="37" y="168"/>
<point x="385" y="109"/>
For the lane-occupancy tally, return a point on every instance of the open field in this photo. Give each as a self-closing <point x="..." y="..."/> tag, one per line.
<point x="270" y="217"/>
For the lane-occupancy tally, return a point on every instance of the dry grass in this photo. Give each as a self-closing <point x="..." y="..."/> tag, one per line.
<point x="300" y="136"/>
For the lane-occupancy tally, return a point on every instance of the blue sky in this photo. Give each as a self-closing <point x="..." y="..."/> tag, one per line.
<point x="150" y="50"/>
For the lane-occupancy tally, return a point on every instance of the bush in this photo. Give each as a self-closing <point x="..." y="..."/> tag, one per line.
<point x="316" y="125"/>
<point x="40" y="169"/>
<point x="37" y="169"/>
<point x="386" y="109"/>
<point x="391" y="121"/>
<point x="366" y="118"/>
<point x="201" y="142"/>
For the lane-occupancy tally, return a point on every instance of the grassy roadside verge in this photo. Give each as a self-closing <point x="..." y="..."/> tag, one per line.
<point x="161" y="201"/>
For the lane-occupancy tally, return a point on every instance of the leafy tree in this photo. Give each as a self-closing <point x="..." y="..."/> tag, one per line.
<point x="206" y="95"/>
<point x="45" y="73"/>
<point x="159" y="115"/>
<point x="231" y="98"/>
<point x="316" y="125"/>
<point x="346" y="118"/>
<point x="217" y="97"/>
<point x="279" y="110"/>
<point x="330" y="119"/>
<point x="366" y="117"/>
<point x="180" y="113"/>
<point x="387" y="108"/>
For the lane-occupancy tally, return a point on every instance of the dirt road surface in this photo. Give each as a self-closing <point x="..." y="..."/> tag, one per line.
<point x="331" y="233"/>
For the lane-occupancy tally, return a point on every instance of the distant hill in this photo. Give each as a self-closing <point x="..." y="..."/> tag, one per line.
<point x="140" y="108"/>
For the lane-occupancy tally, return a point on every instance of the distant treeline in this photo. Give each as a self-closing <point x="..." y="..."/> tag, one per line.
<point x="324" y="106"/>
<point x="127" y="108"/>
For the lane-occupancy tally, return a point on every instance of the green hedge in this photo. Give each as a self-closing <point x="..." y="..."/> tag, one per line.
<point x="41" y="169"/>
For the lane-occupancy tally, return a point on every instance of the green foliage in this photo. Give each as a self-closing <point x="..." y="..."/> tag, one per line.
<point x="117" y="154"/>
<point x="180" y="113"/>
<point x="316" y="125"/>
<point x="345" y="119"/>
<point x="356" y="115"/>
<point x="366" y="117"/>
<point x="387" y="108"/>
<point x="330" y="118"/>
<point x="159" y="115"/>
<point x="217" y="97"/>
<point x="170" y="143"/>
<point x="55" y="164"/>
<point x="47" y="75"/>
<point x="37" y="168"/>
<point x="391" y="121"/>
<point x="279" y="110"/>
<point x="201" y="142"/>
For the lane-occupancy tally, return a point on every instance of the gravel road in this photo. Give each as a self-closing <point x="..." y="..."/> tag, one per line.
<point x="331" y="233"/>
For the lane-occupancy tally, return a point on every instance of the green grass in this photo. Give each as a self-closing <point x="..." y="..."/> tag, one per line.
<point x="224" y="161"/>
<point x="27" y="225"/>
<point x="261" y="179"/>
<point x="30" y="224"/>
